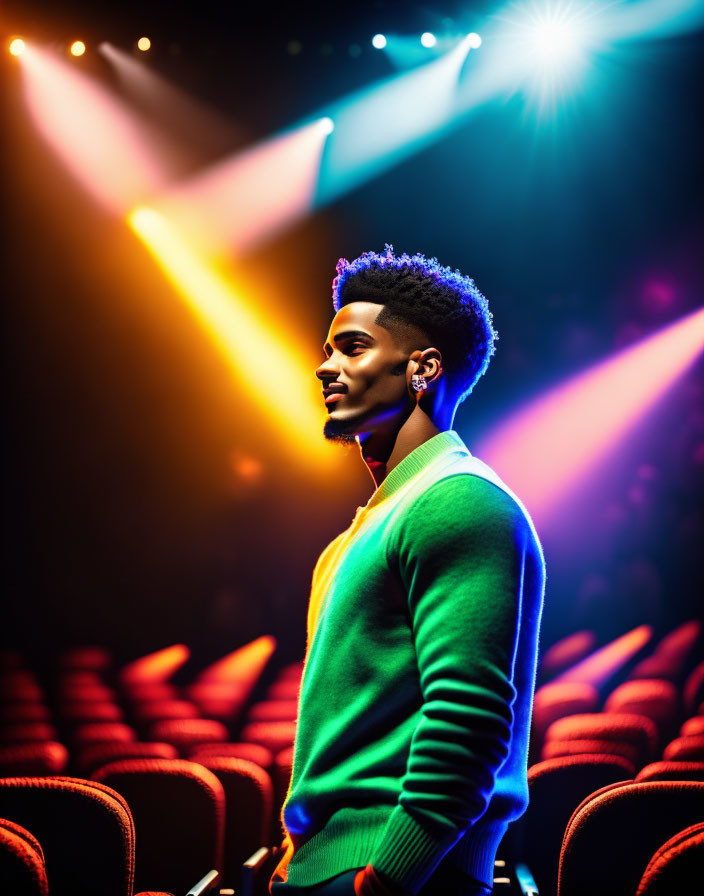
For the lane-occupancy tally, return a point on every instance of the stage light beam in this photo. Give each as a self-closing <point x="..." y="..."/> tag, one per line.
<point x="474" y="40"/>
<point x="277" y="378"/>
<point x="544" y="450"/>
<point x="16" y="46"/>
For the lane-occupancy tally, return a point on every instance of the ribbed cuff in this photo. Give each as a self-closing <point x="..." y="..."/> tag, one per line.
<point x="407" y="853"/>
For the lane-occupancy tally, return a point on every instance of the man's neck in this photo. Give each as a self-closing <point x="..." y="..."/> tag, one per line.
<point x="383" y="451"/>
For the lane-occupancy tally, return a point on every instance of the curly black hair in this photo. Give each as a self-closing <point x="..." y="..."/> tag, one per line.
<point x="442" y="303"/>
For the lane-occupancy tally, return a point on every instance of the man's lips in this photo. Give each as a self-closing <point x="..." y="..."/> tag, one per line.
<point x="332" y="396"/>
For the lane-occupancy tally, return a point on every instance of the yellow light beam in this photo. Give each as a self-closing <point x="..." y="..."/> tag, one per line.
<point x="278" y="379"/>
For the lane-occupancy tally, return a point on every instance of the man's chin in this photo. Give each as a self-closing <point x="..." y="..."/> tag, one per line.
<point x="339" y="431"/>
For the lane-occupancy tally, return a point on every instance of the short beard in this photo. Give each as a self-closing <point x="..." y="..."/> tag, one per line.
<point x="339" y="431"/>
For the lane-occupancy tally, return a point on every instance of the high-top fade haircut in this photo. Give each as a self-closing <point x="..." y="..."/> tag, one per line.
<point x="443" y="304"/>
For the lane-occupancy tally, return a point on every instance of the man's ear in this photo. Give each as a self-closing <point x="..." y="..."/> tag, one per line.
<point x="430" y="364"/>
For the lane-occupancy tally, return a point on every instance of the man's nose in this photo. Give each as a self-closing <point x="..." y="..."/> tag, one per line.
<point x="326" y="369"/>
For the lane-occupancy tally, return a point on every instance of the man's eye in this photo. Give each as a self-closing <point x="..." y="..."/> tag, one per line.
<point x="356" y="345"/>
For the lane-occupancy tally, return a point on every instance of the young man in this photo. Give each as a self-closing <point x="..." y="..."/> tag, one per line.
<point x="415" y="703"/>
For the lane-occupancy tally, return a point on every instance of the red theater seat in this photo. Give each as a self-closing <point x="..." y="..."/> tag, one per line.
<point x="273" y="711"/>
<point x="287" y="689"/>
<point x="676" y="867"/>
<point x="555" y="701"/>
<point x="22" y="870"/>
<point x="98" y="732"/>
<point x="292" y="672"/>
<point x="673" y="655"/>
<point x="23" y="712"/>
<point x="657" y="699"/>
<point x="281" y="777"/>
<point x="254" y="752"/>
<point x="94" y="755"/>
<point x="185" y="734"/>
<point x="695" y="725"/>
<point x="614" y="832"/>
<point x="557" y="787"/>
<point x="179" y="813"/>
<point x="26" y="732"/>
<point x="82" y="712"/>
<point x="45" y="758"/>
<point x="557" y="748"/>
<point x="84" y="693"/>
<point x="85" y="831"/>
<point x="20" y="686"/>
<point x="693" y="692"/>
<point x="248" y="801"/>
<point x="275" y="736"/>
<point x="672" y="771"/>
<point x="162" y="710"/>
<point x="148" y="691"/>
<point x="89" y="658"/>
<point x="685" y="749"/>
<point x="638" y="731"/>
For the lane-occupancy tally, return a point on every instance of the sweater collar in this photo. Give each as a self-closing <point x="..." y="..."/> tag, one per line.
<point x="438" y="446"/>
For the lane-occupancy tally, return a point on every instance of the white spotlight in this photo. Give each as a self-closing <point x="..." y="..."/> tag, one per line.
<point x="474" y="40"/>
<point x="378" y="41"/>
<point x="428" y="39"/>
<point x="327" y="125"/>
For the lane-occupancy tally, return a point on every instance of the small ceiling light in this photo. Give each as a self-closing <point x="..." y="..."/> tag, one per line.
<point x="17" y="46"/>
<point x="428" y="39"/>
<point x="378" y="41"/>
<point x="474" y="40"/>
<point x="78" y="48"/>
<point x="144" y="44"/>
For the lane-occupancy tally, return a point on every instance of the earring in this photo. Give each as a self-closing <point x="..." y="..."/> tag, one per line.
<point x="418" y="382"/>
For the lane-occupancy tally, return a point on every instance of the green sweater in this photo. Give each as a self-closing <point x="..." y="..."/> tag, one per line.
<point x="416" y="696"/>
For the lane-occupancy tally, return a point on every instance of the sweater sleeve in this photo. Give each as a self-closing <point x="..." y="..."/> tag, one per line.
<point x="461" y="551"/>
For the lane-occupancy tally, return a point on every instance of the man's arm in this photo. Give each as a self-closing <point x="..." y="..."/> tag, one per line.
<point x="461" y="554"/>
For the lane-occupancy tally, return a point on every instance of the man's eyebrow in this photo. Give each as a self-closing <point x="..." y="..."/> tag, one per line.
<point x="347" y="334"/>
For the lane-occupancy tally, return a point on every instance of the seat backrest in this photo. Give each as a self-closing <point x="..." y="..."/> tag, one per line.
<point x="655" y="698"/>
<point x="85" y="829"/>
<point x="249" y="797"/>
<point x="179" y="814"/>
<point x="22" y="868"/>
<point x="693" y="725"/>
<point x="685" y="749"/>
<point x="555" y="701"/>
<point x="612" y="835"/>
<point x="46" y="758"/>
<point x="555" y="748"/>
<point x="556" y="787"/>
<point x="240" y="750"/>
<point x="676" y="866"/>
<point x="637" y="730"/>
<point x="92" y="756"/>
<point x="672" y="771"/>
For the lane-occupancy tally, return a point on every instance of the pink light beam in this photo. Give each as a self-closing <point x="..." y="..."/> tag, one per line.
<point x="547" y="447"/>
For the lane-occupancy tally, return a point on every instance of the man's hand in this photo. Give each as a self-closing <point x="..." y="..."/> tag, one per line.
<point x="369" y="882"/>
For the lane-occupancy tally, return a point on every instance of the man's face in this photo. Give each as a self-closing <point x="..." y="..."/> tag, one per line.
<point x="368" y="370"/>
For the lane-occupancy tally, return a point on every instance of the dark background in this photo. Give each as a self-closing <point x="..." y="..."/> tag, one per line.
<point x="125" y="521"/>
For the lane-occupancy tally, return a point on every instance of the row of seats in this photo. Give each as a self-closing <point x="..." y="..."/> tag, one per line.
<point x="627" y="720"/>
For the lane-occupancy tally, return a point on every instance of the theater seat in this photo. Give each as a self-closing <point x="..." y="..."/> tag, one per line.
<point x="556" y="788"/>
<point x="184" y="734"/>
<point x="93" y="756"/>
<point x="677" y="867"/>
<point x="283" y="766"/>
<point x="636" y="730"/>
<point x="672" y="771"/>
<point x="614" y="832"/>
<point x="685" y="749"/>
<point x="179" y="812"/>
<point x="249" y="797"/>
<point x="263" y="757"/>
<point x="695" y="725"/>
<point x="556" y="748"/>
<point x="693" y="692"/>
<point x="26" y="733"/>
<point x="565" y="653"/>
<point x="85" y="830"/>
<point x="555" y="701"/>
<point x="273" y="711"/>
<point x="275" y="736"/>
<point x="22" y="870"/>
<point x="46" y="758"/>
<point x="655" y="698"/>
